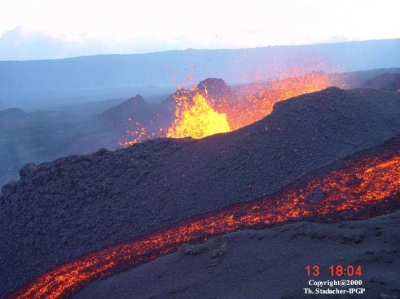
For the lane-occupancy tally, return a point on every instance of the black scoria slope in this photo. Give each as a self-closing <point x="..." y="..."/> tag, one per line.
<point x="63" y="209"/>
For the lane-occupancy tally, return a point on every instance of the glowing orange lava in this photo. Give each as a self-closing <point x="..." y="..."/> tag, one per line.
<point x="195" y="118"/>
<point x="257" y="100"/>
<point x="252" y="103"/>
<point x="362" y="187"/>
<point x="141" y="134"/>
<point x="198" y="115"/>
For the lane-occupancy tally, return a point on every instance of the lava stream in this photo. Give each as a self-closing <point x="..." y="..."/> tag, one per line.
<point x="363" y="186"/>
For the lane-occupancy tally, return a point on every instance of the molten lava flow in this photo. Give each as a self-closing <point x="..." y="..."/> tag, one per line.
<point x="256" y="101"/>
<point x="365" y="186"/>
<point x="199" y="115"/>
<point x="196" y="119"/>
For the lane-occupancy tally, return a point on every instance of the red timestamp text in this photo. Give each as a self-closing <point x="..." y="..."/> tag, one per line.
<point x="335" y="270"/>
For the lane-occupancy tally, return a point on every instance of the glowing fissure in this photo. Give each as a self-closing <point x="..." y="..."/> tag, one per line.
<point x="357" y="189"/>
<point x="198" y="116"/>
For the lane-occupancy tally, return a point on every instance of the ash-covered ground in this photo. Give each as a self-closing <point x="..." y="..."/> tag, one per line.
<point x="63" y="209"/>
<point x="268" y="263"/>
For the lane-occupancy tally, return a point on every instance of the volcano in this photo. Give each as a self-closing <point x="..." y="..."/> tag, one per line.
<point x="62" y="210"/>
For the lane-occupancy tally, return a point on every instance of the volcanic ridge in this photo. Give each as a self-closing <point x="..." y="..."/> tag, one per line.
<point x="61" y="210"/>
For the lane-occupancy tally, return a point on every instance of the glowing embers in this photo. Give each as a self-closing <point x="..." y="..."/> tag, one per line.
<point x="360" y="188"/>
<point x="195" y="118"/>
<point x="141" y="134"/>
<point x="256" y="101"/>
<point x="197" y="114"/>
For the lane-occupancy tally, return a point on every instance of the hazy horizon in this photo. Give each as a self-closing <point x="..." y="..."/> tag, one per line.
<point x="73" y="54"/>
<point x="48" y="29"/>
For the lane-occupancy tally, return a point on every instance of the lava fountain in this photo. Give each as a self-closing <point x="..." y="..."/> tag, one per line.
<point x="362" y="186"/>
<point x="255" y="101"/>
<point x="195" y="118"/>
<point x="198" y="114"/>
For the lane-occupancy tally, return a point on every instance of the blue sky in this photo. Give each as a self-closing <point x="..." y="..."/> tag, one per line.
<point x="42" y="29"/>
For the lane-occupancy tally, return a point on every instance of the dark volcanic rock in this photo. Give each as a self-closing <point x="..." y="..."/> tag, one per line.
<point x="27" y="170"/>
<point x="250" y="266"/>
<point x="214" y="88"/>
<point x="9" y="188"/>
<point x="135" y="108"/>
<point x="387" y="81"/>
<point x="135" y="117"/>
<point x="314" y="196"/>
<point x="354" y="181"/>
<point x="78" y="204"/>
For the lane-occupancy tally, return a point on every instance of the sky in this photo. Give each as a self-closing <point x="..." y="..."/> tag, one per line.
<point x="47" y="29"/>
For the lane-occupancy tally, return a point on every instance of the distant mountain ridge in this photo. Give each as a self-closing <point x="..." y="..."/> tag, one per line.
<point x="2" y="106"/>
<point x="24" y="81"/>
